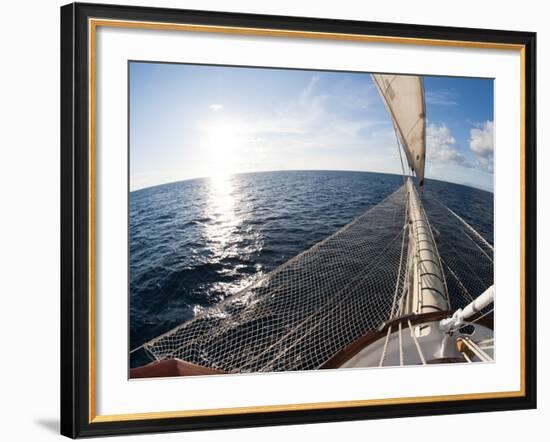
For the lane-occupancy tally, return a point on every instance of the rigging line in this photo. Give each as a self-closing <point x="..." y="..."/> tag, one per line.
<point x="150" y="354"/>
<point x="400" y="345"/>
<point x="384" y="89"/>
<point x="478" y="235"/>
<point x="398" y="281"/>
<point x="404" y="290"/>
<point x="485" y="341"/>
<point x="416" y="343"/>
<point x="399" y="150"/>
<point x="465" y="263"/>
<point x="137" y="348"/>
<point x="404" y="293"/>
<point x="457" y="280"/>
<point x="400" y="263"/>
<point x="479" y="247"/>
<point x="465" y="322"/>
<point x="473" y="230"/>
<point x="385" y="347"/>
<point x="481" y="317"/>
<point x="414" y="125"/>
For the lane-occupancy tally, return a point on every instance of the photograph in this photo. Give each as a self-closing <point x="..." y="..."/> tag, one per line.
<point x="277" y="220"/>
<point x="287" y="220"/>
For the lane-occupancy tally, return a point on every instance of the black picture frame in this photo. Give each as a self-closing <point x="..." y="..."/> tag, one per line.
<point x="76" y="418"/>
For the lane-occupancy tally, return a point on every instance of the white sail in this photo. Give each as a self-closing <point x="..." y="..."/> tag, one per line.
<point x="404" y="98"/>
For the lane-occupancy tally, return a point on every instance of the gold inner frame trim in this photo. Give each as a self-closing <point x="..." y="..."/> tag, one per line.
<point x="93" y="24"/>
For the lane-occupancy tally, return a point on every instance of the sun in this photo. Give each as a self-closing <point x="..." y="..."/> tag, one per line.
<point x="222" y="146"/>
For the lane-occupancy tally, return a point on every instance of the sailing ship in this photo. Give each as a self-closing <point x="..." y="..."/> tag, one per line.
<point x="408" y="282"/>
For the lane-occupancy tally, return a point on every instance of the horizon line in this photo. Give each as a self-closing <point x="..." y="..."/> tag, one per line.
<point x="471" y="185"/>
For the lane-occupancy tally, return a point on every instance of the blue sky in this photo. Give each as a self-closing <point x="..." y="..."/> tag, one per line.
<point x="189" y="121"/>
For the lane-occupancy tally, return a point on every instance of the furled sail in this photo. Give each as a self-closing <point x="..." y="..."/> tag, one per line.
<point x="404" y="98"/>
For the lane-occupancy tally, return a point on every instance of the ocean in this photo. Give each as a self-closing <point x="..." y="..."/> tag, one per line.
<point x="195" y="242"/>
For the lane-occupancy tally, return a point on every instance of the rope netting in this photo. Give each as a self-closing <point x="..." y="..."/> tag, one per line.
<point x="302" y="313"/>
<point x="466" y="257"/>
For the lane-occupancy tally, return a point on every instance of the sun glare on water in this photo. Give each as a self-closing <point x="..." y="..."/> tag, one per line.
<point x="221" y="145"/>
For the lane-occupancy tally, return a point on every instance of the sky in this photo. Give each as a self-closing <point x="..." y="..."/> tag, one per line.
<point x="190" y="121"/>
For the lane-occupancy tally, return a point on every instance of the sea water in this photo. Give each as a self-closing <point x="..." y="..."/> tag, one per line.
<point x="193" y="243"/>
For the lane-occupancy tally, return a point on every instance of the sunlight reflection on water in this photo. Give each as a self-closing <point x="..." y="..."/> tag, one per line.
<point x="223" y="222"/>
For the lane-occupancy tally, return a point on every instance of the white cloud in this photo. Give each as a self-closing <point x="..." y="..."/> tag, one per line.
<point x="441" y="146"/>
<point x="215" y="107"/>
<point x="307" y="92"/>
<point x="482" y="145"/>
<point x="441" y="98"/>
<point x="329" y="123"/>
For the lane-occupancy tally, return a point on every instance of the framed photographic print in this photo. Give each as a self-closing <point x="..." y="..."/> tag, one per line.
<point x="275" y="220"/>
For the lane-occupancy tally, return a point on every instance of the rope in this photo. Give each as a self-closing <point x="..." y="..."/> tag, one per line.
<point x="400" y="346"/>
<point x="416" y="343"/>
<point x="480" y="317"/>
<point x="399" y="150"/>
<point x="476" y="350"/>
<point x="474" y="231"/>
<point x="458" y="280"/>
<point x="400" y="266"/>
<point x="137" y="348"/>
<point x="385" y="347"/>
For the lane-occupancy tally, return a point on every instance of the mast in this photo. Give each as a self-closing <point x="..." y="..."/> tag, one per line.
<point x="426" y="290"/>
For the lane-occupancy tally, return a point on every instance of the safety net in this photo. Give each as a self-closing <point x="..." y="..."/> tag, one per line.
<point x="302" y="313"/>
